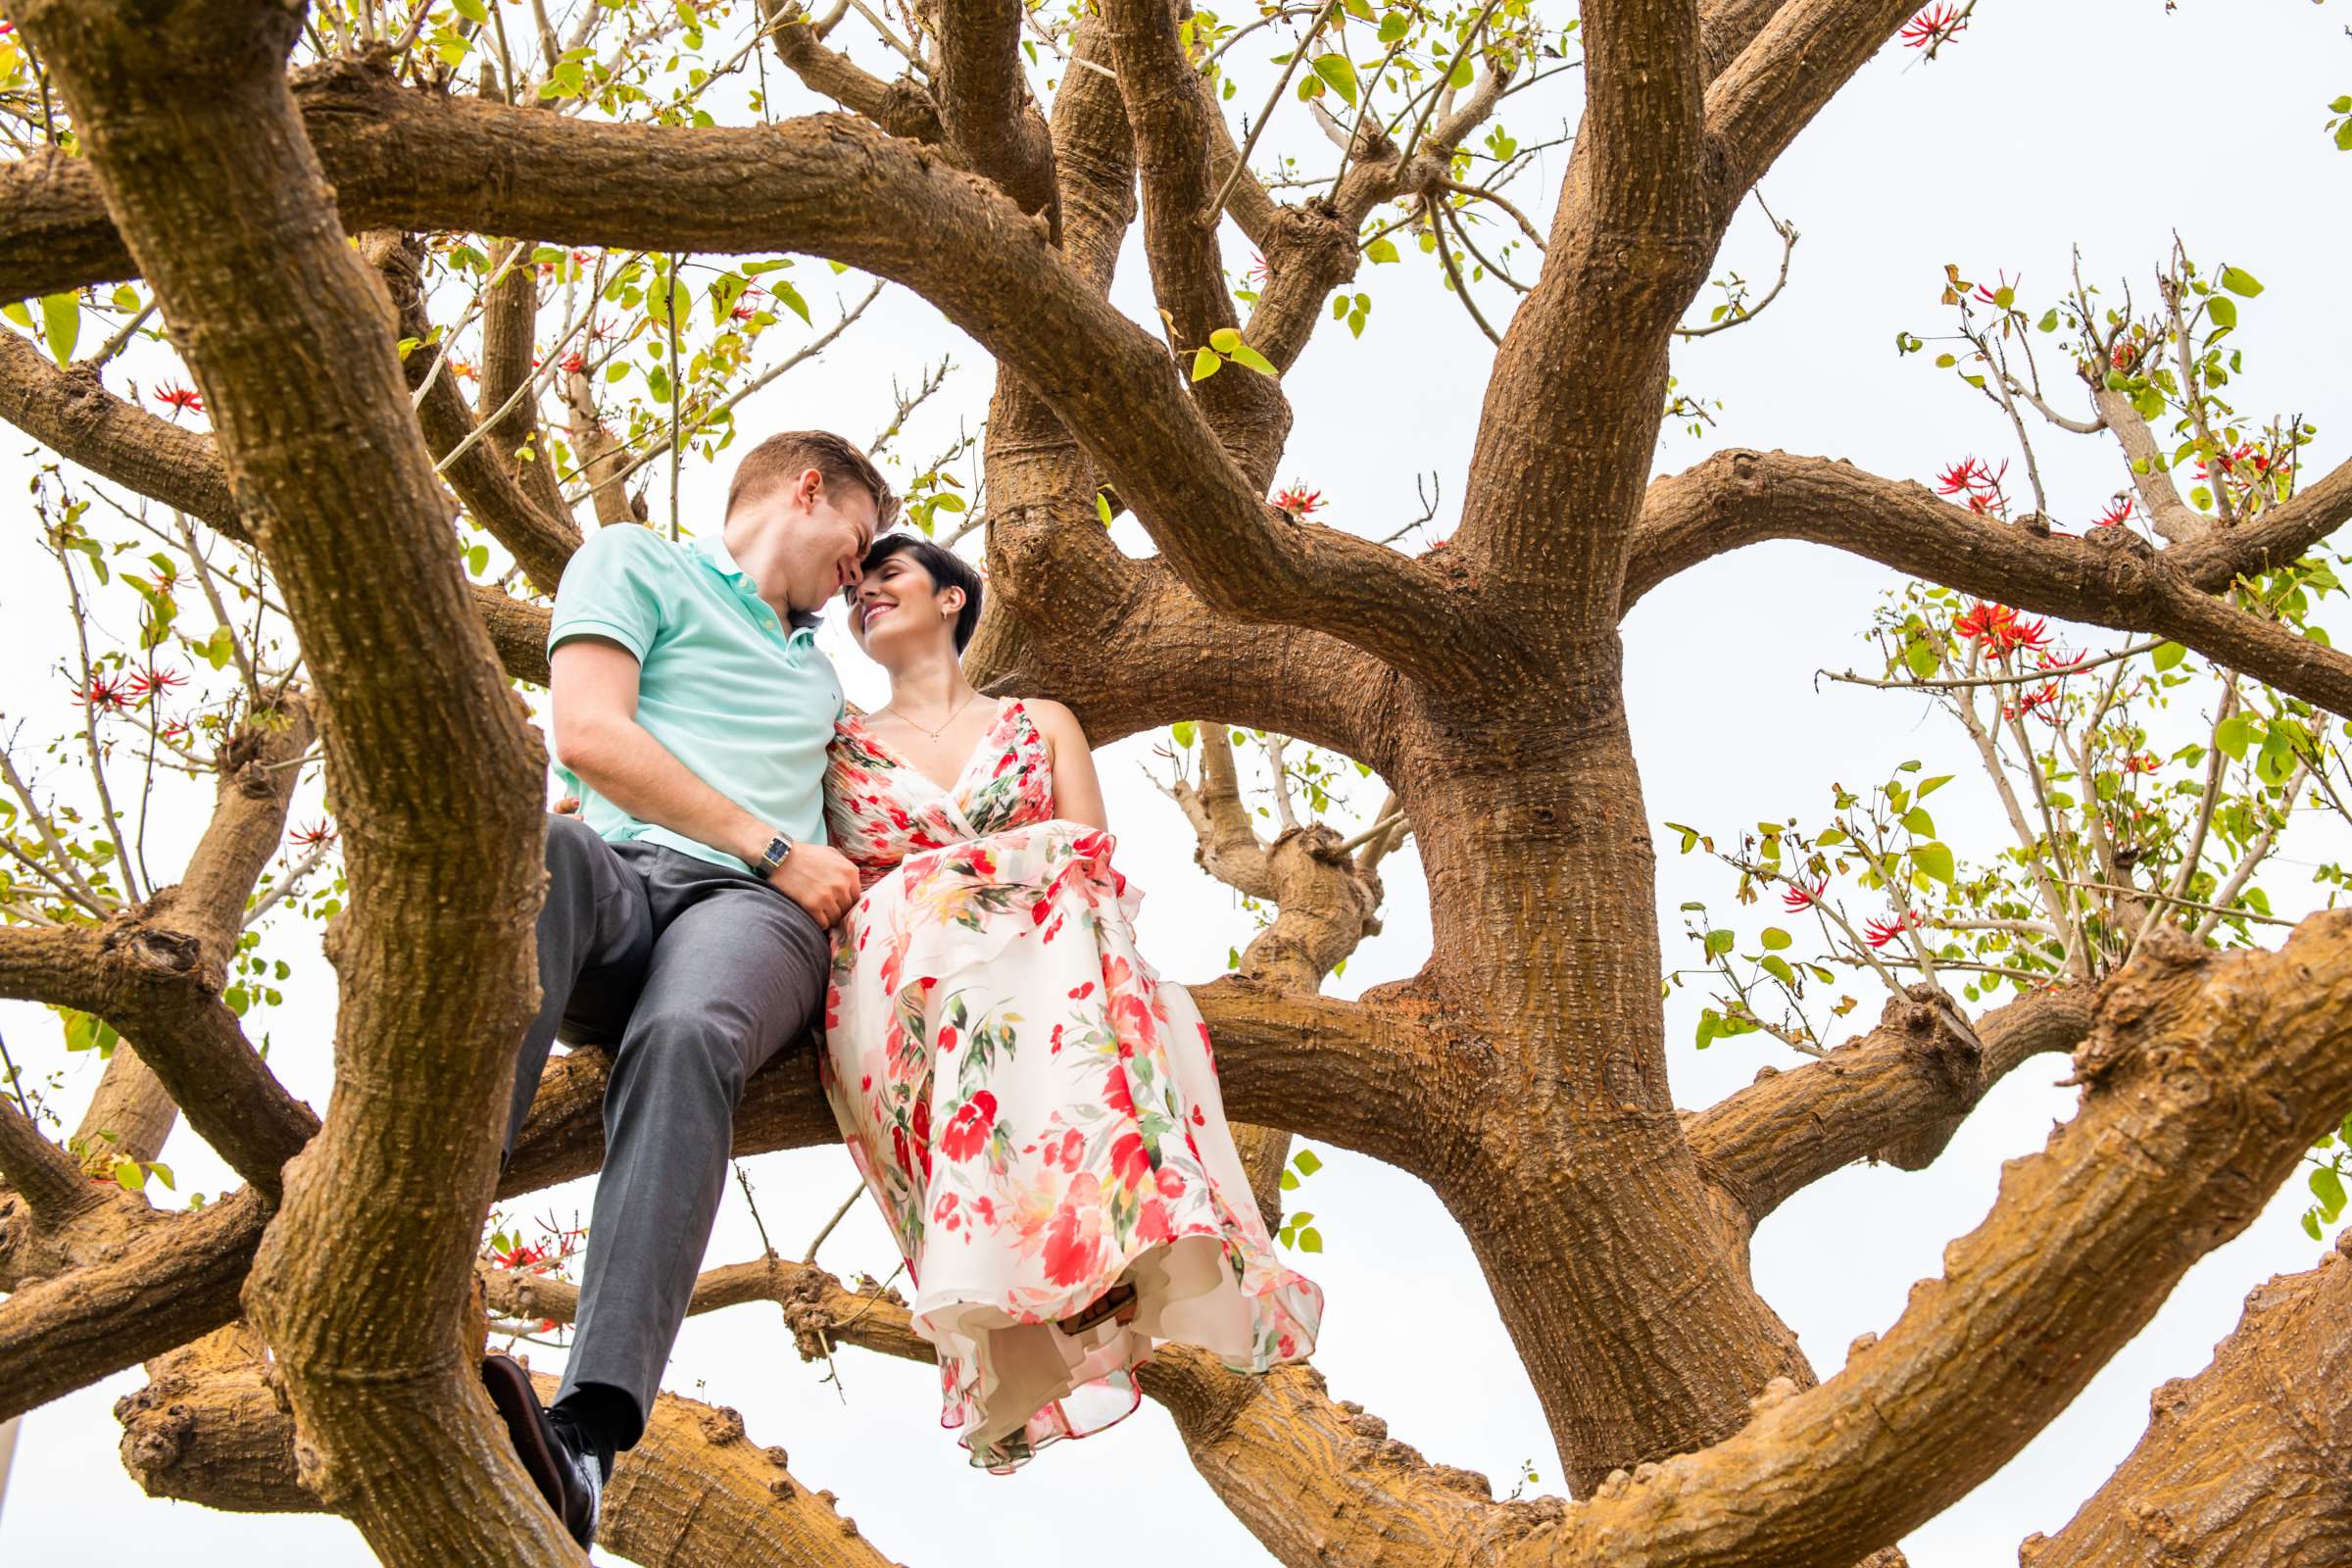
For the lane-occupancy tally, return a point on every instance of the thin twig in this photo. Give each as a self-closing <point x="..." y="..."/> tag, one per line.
<point x="1240" y="162"/>
<point x="839" y="1216"/>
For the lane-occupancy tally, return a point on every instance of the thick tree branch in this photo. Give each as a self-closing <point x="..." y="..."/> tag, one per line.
<point x="1166" y="112"/>
<point x="541" y="538"/>
<point x="2248" y="1463"/>
<point x="49" y="1180"/>
<point x="2110" y="579"/>
<point x="1784" y="77"/>
<point x="1094" y="157"/>
<point x="191" y="130"/>
<point x="67" y="411"/>
<point x="407" y="159"/>
<point x="984" y="107"/>
<point x="903" y="108"/>
<point x="175" y="1279"/>
<point x="695" y="1493"/>
<point x="1902" y="1088"/>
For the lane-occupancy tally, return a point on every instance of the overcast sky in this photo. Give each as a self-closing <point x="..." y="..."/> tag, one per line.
<point x="2077" y="123"/>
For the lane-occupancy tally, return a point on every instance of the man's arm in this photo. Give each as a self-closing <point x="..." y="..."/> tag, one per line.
<point x="594" y="686"/>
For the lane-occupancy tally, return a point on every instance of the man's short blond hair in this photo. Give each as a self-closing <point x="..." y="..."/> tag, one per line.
<point x="780" y="460"/>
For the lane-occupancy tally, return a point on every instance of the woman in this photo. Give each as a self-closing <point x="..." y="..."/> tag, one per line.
<point x="1037" y="1114"/>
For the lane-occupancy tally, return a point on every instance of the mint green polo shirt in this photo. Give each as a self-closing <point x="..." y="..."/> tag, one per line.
<point x="746" y="701"/>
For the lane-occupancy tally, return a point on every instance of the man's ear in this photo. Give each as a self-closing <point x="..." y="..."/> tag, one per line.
<point x="809" y="487"/>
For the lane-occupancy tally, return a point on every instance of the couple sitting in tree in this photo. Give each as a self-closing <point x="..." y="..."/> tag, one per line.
<point x="930" y="886"/>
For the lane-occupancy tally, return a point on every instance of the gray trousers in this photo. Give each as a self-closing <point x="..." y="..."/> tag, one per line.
<point x="692" y="975"/>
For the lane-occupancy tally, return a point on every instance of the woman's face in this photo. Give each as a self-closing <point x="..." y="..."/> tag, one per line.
<point x="896" y="611"/>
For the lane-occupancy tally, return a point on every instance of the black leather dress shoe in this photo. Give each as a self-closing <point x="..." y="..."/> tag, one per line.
<point x="569" y="1481"/>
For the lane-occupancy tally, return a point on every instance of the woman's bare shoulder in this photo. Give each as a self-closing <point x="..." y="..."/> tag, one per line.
<point x="1055" y="719"/>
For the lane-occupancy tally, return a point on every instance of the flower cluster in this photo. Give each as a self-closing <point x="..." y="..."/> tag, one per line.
<point x="1801" y="898"/>
<point x="2119" y="511"/>
<point x="1299" y="501"/>
<point x="315" y="836"/>
<point x="2041" y="702"/>
<point x="1935" y="27"/>
<point x="2001" y="630"/>
<point x="1878" y="933"/>
<point x="180" y="399"/>
<point x="1980" y="482"/>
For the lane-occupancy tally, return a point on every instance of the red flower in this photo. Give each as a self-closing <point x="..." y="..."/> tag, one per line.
<point x="1115" y="1093"/>
<point x="2000" y="629"/>
<point x="1878" y="933"/>
<point x="2041" y="701"/>
<point x="1257" y="273"/>
<point x="946" y="1037"/>
<point x="318" y="833"/>
<point x="1799" y="899"/>
<point x="143" y="684"/>
<point x="1993" y="296"/>
<point x="575" y="363"/>
<point x="1938" y="23"/>
<point x="1081" y="992"/>
<point x="966" y="1132"/>
<point x="1966" y="474"/>
<point x="1154" y="1224"/>
<point x="1299" y="501"/>
<point x="2119" y="510"/>
<point x="2141" y="762"/>
<point x="110" y="692"/>
<point x="180" y="399"/>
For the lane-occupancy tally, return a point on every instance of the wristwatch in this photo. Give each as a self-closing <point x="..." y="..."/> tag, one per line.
<point x="778" y="850"/>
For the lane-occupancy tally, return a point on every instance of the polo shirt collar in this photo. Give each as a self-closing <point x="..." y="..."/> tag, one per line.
<point x="712" y="548"/>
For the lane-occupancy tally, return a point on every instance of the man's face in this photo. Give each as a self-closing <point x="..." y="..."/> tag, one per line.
<point x="832" y="528"/>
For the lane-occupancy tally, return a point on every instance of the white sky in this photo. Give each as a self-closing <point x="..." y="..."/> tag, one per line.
<point x="2076" y="123"/>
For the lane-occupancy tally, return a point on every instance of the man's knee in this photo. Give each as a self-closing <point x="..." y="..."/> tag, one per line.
<point x="683" y="1047"/>
<point x="569" y="843"/>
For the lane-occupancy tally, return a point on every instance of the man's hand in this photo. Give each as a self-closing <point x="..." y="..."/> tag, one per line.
<point x="819" y="879"/>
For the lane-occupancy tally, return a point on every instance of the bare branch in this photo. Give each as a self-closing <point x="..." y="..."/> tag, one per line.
<point x="2111" y="578"/>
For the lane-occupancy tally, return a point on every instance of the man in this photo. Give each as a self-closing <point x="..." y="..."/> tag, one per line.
<point x="687" y="905"/>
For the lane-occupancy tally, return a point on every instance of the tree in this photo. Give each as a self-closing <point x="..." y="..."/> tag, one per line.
<point x="1521" y="1074"/>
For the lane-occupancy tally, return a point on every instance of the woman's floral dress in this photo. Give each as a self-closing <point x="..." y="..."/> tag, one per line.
<point x="1035" y="1111"/>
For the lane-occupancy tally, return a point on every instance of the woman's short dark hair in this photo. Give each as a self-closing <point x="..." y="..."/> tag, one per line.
<point x="947" y="568"/>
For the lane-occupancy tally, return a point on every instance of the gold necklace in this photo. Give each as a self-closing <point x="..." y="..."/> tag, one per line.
<point x="943" y="724"/>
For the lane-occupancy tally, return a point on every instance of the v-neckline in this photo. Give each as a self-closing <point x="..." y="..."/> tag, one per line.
<point x="952" y="791"/>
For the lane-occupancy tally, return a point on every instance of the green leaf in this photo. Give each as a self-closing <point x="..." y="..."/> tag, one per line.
<point x="1184" y="732"/>
<point x="1246" y="355"/>
<point x="162" y="1173"/>
<point x="1689" y="836"/>
<point x="2166" y="655"/>
<point x="1224" y="339"/>
<point x="1719" y="943"/>
<point x="2329" y="1188"/>
<point x="1776" y="939"/>
<point x="1929" y="786"/>
<point x="2232" y="735"/>
<point x="473" y="10"/>
<point x="130" y="1175"/>
<point x="1206" y="364"/>
<point x="1103" y="507"/>
<point x="1777" y="968"/>
<point x="61" y="323"/>
<point x="220" y="648"/>
<point x="2242" y="283"/>
<point x="2222" y="313"/>
<point x="1340" y="72"/>
<point x="1392" y="26"/>
<point x="1383" y="249"/>
<point x="1919" y="822"/>
<point x="2049" y="319"/>
<point x="1308" y="1161"/>
<point x="1935" y="860"/>
<point x="1310" y="1241"/>
<point x="1290" y="1183"/>
<point x="1923" y="658"/>
<point x="790" y="298"/>
<point x="1461" y="75"/>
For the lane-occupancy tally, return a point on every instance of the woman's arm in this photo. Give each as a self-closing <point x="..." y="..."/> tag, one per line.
<point x="1077" y="793"/>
